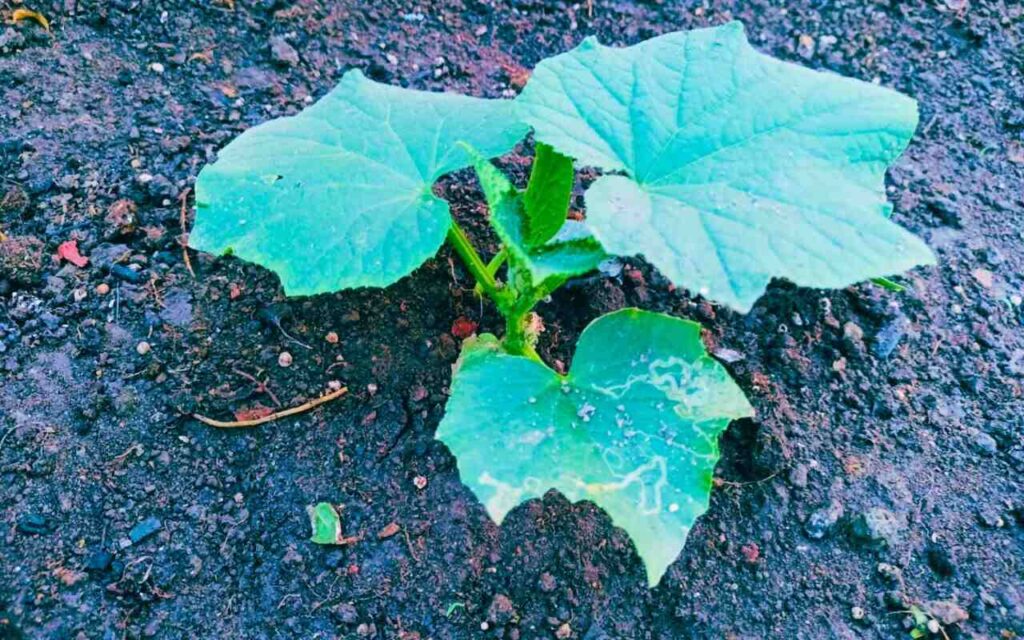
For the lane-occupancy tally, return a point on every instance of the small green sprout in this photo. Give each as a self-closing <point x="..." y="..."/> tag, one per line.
<point x="452" y="608"/>
<point x="721" y="166"/>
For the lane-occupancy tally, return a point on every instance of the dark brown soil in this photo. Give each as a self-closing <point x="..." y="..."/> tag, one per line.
<point x="867" y="400"/>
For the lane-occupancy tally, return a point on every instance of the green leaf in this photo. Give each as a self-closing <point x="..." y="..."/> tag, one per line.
<point x="738" y="167"/>
<point x="339" y="196"/>
<point x="325" y="522"/>
<point x="889" y="285"/>
<point x="546" y="200"/>
<point x="571" y="252"/>
<point x="633" y="427"/>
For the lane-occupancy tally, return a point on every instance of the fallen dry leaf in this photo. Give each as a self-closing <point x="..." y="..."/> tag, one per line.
<point x="389" y="530"/>
<point x="28" y="14"/>
<point x="69" y="251"/>
<point x="68" y="576"/>
<point x="517" y="76"/>
<point x="204" y="56"/>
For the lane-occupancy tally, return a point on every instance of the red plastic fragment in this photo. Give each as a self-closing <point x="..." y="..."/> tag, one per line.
<point x="463" y="327"/>
<point x="69" y="251"/>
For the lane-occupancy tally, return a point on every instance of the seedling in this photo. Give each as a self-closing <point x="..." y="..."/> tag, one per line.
<point x="723" y="167"/>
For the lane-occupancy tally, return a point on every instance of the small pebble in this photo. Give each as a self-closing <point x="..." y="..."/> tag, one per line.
<point x="890" y="572"/>
<point x="283" y="52"/>
<point x="985" y="444"/>
<point x="821" y="522"/>
<point x="144" y="529"/>
<point x="79" y="294"/>
<point x="124" y="273"/>
<point x="729" y="356"/>
<point x="157" y="67"/>
<point x="284" y="359"/>
<point x="879" y="525"/>
<point x="798" y="476"/>
<point x="34" y="524"/>
<point x="102" y="289"/>
<point x="857" y="613"/>
<point x="142" y="348"/>
<point x="99" y="560"/>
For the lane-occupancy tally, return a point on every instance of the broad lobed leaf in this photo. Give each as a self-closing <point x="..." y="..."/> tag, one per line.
<point x="339" y="196"/>
<point x="633" y="427"/>
<point x="738" y="167"/>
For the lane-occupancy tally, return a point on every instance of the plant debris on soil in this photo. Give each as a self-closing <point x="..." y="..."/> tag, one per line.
<point x="878" y="490"/>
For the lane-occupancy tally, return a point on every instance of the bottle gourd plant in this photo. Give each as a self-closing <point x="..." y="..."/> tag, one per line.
<point x="722" y="167"/>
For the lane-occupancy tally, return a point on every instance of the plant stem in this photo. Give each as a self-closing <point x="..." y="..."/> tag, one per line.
<point x="516" y="341"/>
<point x="496" y="262"/>
<point x="475" y="264"/>
<point x="492" y="268"/>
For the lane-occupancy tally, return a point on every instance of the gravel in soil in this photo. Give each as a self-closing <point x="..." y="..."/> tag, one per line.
<point x="883" y="470"/>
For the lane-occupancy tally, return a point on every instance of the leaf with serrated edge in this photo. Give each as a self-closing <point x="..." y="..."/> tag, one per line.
<point x="339" y="196"/>
<point x="739" y="167"/>
<point x="633" y="427"/>
<point x="571" y="252"/>
<point x="546" y="199"/>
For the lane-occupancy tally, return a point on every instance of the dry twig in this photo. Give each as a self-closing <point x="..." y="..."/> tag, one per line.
<point x="306" y="406"/>
<point x="184" y="230"/>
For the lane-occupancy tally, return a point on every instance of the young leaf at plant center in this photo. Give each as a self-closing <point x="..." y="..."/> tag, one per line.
<point x="339" y="196"/>
<point x="546" y="199"/>
<point x="633" y="427"/>
<point x="325" y="522"/>
<point x="572" y="251"/>
<point x="739" y="167"/>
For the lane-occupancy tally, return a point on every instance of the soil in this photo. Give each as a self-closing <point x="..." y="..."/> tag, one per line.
<point x="883" y="470"/>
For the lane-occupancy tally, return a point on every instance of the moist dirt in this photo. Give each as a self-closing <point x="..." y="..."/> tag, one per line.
<point x="881" y="473"/>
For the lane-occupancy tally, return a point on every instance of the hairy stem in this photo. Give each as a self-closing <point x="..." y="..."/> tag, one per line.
<point x="492" y="268"/>
<point x="516" y="340"/>
<point x="475" y="264"/>
<point x="496" y="262"/>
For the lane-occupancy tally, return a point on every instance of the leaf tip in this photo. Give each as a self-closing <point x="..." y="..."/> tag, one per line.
<point x="734" y="27"/>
